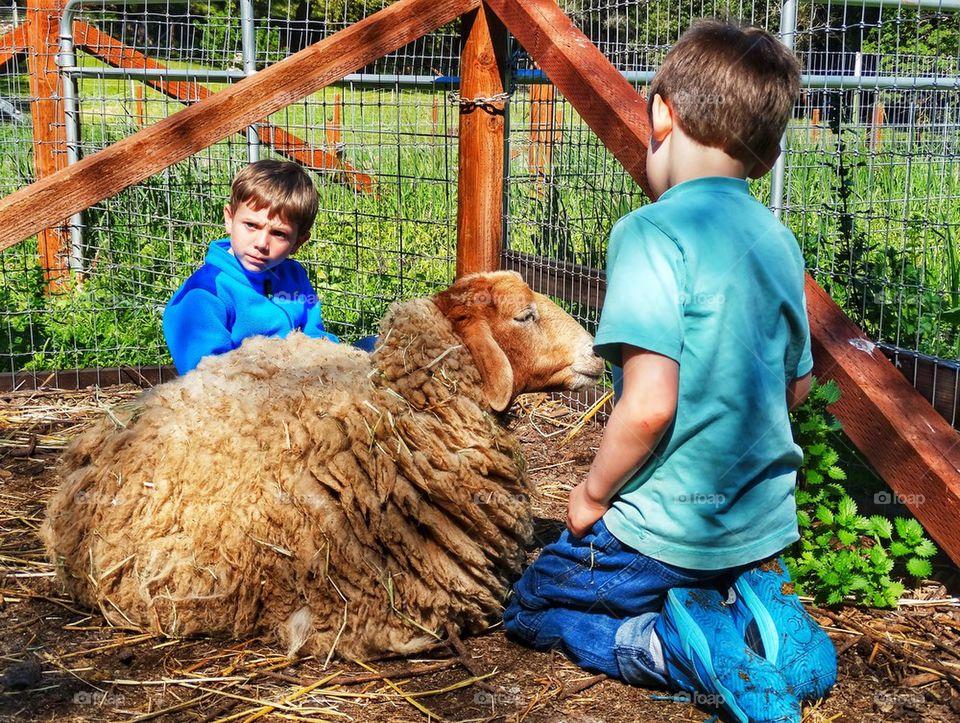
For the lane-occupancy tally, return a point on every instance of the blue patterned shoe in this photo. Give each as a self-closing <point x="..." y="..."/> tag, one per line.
<point x="705" y="654"/>
<point x="775" y="623"/>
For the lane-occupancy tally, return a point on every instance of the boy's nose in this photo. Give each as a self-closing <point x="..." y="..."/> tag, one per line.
<point x="262" y="242"/>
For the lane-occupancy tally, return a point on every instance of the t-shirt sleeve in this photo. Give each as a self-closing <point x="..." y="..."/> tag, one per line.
<point x="195" y="326"/>
<point x="802" y="343"/>
<point x="643" y="306"/>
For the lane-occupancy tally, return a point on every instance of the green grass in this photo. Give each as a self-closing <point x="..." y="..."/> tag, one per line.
<point x="878" y="233"/>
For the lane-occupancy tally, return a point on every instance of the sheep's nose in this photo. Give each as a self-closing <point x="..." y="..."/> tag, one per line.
<point x="589" y="363"/>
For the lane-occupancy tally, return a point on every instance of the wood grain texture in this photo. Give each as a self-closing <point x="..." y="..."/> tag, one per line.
<point x="599" y="93"/>
<point x="909" y="444"/>
<point x="49" y="137"/>
<point x="14" y="42"/>
<point x="114" y="53"/>
<point x="480" y="181"/>
<point x="172" y="139"/>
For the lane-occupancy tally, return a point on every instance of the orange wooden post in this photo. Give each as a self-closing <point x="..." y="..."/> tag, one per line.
<point x="601" y="96"/>
<point x="542" y="121"/>
<point x="333" y="131"/>
<point x="14" y="42"/>
<point x="815" y="126"/>
<point x="878" y="116"/>
<point x="139" y="92"/>
<point x="49" y="134"/>
<point x="480" y="188"/>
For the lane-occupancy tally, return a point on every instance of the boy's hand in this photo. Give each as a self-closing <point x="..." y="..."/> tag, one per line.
<point x="583" y="511"/>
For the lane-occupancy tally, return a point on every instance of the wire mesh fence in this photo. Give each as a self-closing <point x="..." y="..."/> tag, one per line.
<point x="869" y="184"/>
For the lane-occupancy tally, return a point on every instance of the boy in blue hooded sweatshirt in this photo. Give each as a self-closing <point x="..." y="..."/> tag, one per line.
<point x="247" y="285"/>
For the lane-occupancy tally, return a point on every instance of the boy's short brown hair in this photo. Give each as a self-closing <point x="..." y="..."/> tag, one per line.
<point x="282" y="187"/>
<point x="730" y="87"/>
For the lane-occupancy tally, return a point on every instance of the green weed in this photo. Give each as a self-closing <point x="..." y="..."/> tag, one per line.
<point x="842" y="554"/>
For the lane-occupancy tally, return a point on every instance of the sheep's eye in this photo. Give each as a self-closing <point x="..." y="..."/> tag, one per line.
<point x="528" y="314"/>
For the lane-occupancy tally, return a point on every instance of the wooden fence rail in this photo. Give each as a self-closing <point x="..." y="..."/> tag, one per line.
<point x="198" y="126"/>
<point x="909" y="444"/>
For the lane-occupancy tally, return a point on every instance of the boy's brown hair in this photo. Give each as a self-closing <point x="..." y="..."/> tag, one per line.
<point x="730" y="87"/>
<point x="281" y="187"/>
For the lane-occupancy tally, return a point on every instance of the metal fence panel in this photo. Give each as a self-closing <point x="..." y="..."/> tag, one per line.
<point x="870" y="183"/>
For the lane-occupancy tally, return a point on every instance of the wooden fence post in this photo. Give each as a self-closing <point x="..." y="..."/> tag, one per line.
<point x="878" y="118"/>
<point x="544" y="121"/>
<point x="49" y="130"/>
<point x="480" y="184"/>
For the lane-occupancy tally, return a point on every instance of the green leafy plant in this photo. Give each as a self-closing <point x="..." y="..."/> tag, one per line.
<point x="841" y="553"/>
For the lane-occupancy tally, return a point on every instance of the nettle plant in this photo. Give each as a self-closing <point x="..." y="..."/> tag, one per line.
<point x="842" y="554"/>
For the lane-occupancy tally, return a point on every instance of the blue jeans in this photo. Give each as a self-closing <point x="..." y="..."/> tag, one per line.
<point x="596" y="600"/>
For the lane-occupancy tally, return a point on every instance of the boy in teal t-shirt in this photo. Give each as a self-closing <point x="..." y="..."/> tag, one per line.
<point x="667" y="573"/>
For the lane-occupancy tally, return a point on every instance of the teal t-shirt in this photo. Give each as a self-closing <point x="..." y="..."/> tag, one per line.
<point x="710" y="278"/>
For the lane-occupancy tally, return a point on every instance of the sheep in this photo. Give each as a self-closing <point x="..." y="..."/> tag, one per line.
<point x="305" y="491"/>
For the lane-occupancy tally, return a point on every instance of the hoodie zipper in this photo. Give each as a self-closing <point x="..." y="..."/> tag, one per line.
<point x="268" y="293"/>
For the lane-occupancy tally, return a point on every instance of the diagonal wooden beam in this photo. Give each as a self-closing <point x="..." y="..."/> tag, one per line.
<point x="14" y="42"/>
<point x="172" y="139"/>
<point x="906" y="440"/>
<point x="598" y="92"/>
<point x="114" y="53"/>
<point x="913" y="448"/>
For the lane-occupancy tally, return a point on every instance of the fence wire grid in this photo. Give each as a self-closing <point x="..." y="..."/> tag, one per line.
<point x="870" y="182"/>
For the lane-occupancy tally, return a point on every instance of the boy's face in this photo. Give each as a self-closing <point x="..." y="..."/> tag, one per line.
<point x="258" y="240"/>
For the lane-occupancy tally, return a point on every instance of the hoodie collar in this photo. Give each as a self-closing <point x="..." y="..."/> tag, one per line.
<point x="218" y="254"/>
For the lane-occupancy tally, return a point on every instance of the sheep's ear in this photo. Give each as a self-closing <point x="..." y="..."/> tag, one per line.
<point x="467" y="304"/>
<point x="495" y="370"/>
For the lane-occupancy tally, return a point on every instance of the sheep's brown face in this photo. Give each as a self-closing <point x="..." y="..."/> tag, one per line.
<point x="520" y="340"/>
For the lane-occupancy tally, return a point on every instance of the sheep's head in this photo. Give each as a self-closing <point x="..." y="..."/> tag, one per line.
<point x="520" y="340"/>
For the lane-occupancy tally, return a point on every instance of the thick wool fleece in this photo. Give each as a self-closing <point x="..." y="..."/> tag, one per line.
<point x="299" y="487"/>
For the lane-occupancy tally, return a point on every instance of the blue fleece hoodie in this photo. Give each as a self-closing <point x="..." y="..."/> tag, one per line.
<point x="222" y="303"/>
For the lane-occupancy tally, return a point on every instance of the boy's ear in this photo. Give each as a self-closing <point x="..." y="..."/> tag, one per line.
<point x="227" y="218"/>
<point x="765" y="164"/>
<point x="301" y="240"/>
<point x="661" y="119"/>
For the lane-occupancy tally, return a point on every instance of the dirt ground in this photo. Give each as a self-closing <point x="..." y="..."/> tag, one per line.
<point x="61" y="663"/>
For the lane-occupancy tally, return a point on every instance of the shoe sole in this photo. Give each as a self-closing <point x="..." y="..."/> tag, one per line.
<point x="696" y="647"/>
<point x="806" y="675"/>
